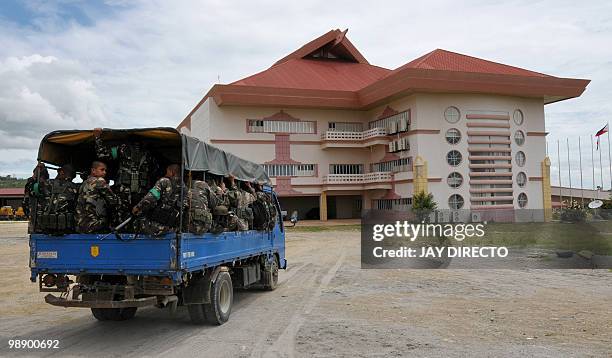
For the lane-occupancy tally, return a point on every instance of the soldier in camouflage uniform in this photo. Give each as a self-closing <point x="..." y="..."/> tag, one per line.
<point x="136" y="172"/>
<point x="60" y="204"/>
<point x="198" y="203"/>
<point x="96" y="202"/>
<point x="267" y="209"/>
<point x="238" y="205"/>
<point x="160" y="206"/>
<point x="34" y="196"/>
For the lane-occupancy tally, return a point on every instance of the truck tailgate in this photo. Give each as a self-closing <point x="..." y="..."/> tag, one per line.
<point x="79" y="253"/>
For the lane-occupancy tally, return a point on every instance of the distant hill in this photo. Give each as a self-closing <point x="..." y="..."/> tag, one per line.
<point x="11" y="182"/>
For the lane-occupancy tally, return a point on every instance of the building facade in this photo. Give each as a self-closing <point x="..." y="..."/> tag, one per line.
<point x="338" y="135"/>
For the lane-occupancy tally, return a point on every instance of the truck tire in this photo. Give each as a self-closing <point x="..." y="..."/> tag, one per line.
<point x="221" y="299"/>
<point x="114" y="314"/>
<point x="270" y="276"/>
<point x="196" y="313"/>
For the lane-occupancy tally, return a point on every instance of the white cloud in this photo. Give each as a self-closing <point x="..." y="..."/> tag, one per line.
<point x="149" y="62"/>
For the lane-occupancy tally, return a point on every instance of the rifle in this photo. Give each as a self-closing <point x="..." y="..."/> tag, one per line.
<point x="117" y="228"/>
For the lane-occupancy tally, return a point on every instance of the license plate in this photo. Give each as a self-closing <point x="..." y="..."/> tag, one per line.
<point x="46" y="254"/>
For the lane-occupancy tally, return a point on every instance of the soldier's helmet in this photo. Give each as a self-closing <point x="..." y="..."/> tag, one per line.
<point x="200" y="185"/>
<point x="220" y="210"/>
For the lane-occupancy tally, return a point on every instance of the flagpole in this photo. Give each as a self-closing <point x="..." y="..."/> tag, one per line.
<point x="600" y="169"/>
<point x="559" y="164"/>
<point x="581" y="186"/>
<point x="593" y="161"/>
<point x="569" y="171"/>
<point x="609" y="157"/>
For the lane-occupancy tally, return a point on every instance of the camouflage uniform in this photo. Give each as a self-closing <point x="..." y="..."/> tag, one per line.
<point x="264" y="203"/>
<point x="135" y="175"/>
<point x="238" y="203"/>
<point x="161" y="207"/>
<point x="34" y="202"/>
<point x="198" y="202"/>
<point x="95" y="203"/>
<point x="60" y="205"/>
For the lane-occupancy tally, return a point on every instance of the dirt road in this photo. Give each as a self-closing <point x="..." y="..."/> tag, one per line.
<point x="326" y="306"/>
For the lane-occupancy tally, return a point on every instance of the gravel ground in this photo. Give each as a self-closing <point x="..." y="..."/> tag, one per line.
<point x="326" y="306"/>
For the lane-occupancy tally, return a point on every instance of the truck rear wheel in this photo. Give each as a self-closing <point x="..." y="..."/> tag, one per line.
<point x="270" y="276"/>
<point x="221" y="299"/>
<point x="114" y="314"/>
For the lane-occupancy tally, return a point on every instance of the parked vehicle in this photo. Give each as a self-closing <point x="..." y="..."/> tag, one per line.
<point x="115" y="274"/>
<point x="6" y="213"/>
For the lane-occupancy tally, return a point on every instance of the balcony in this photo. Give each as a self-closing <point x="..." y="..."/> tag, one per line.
<point x="376" y="180"/>
<point x="344" y="139"/>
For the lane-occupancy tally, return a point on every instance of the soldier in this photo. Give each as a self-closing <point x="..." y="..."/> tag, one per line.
<point x="135" y="175"/>
<point x="198" y="204"/>
<point x="160" y="206"/>
<point x="58" y="216"/>
<point x="95" y="203"/>
<point x="34" y="196"/>
<point x="264" y="210"/>
<point x="237" y="200"/>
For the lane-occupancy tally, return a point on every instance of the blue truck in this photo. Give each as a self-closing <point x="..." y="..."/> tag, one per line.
<point x="115" y="273"/>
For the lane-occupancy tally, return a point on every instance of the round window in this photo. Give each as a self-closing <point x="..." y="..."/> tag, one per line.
<point x="519" y="137"/>
<point x="453" y="136"/>
<point x="451" y="114"/>
<point x="454" y="180"/>
<point x="453" y="158"/>
<point x="518" y="117"/>
<point x="521" y="179"/>
<point x="520" y="158"/>
<point x="455" y="201"/>
<point x="522" y="200"/>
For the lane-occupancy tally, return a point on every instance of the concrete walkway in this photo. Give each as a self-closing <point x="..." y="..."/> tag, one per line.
<point x="335" y="222"/>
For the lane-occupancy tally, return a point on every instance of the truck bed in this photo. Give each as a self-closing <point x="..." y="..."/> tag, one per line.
<point x="169" y="255"/>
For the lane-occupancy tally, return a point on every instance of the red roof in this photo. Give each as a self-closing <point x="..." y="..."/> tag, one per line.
<point x="451" y="61"/>
<point x="11" y="192"/>
<point x="329" y="72"/>
<point x="324" y="74"/>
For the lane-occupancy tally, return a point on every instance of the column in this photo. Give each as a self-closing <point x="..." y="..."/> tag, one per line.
<point x="323" y="206"/>
<point x="546" y="192"/>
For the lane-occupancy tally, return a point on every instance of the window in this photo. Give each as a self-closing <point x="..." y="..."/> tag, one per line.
<point x="453" y="158"/>
<point x="392" y="204"/>
<point x="293" y="170"/>
<point x="518" y="117"/>
<point x="451" y="114"/>
<point x="345" y="126"/>
<point x="346" y="169"/>
<point x="522" y="200"/>
<point x="521" y="179"/>
<point x="395" y="166"/>
<point x="519" y="137"/>
<point x="400" y="121"/>
<point x="454" y="180"/>
<point x="453" y="136"/>
<point x="265" y="126"/>
<point x="520" y="158"/>
<point x="455" y="201"/>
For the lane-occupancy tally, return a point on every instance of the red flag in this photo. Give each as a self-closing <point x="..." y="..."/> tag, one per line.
<point x="600" y="132"/>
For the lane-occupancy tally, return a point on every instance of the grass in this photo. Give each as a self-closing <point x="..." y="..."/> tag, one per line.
<point x="299" y="228"/>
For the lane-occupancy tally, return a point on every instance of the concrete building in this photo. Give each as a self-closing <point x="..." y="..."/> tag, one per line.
<point x="338" y="134"/>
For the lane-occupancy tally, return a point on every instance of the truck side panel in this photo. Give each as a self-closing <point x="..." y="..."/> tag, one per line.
<point x="81" y="253"/>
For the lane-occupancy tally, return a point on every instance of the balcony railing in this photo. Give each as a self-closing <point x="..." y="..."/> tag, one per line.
<point x="349" y="136"/>
<point x="368" y="178"/>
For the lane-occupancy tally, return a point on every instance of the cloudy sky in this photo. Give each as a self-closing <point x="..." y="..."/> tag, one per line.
<point x="83" y="64"/>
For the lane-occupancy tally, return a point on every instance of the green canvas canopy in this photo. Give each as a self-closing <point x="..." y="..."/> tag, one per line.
<point x="77" y="148"/>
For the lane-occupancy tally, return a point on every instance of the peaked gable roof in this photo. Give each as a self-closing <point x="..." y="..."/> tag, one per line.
<point x="329" y="72"/>
<point x="333" y="42"/>
<point x="321" y="74"/>
<point x="444" y="60"/>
